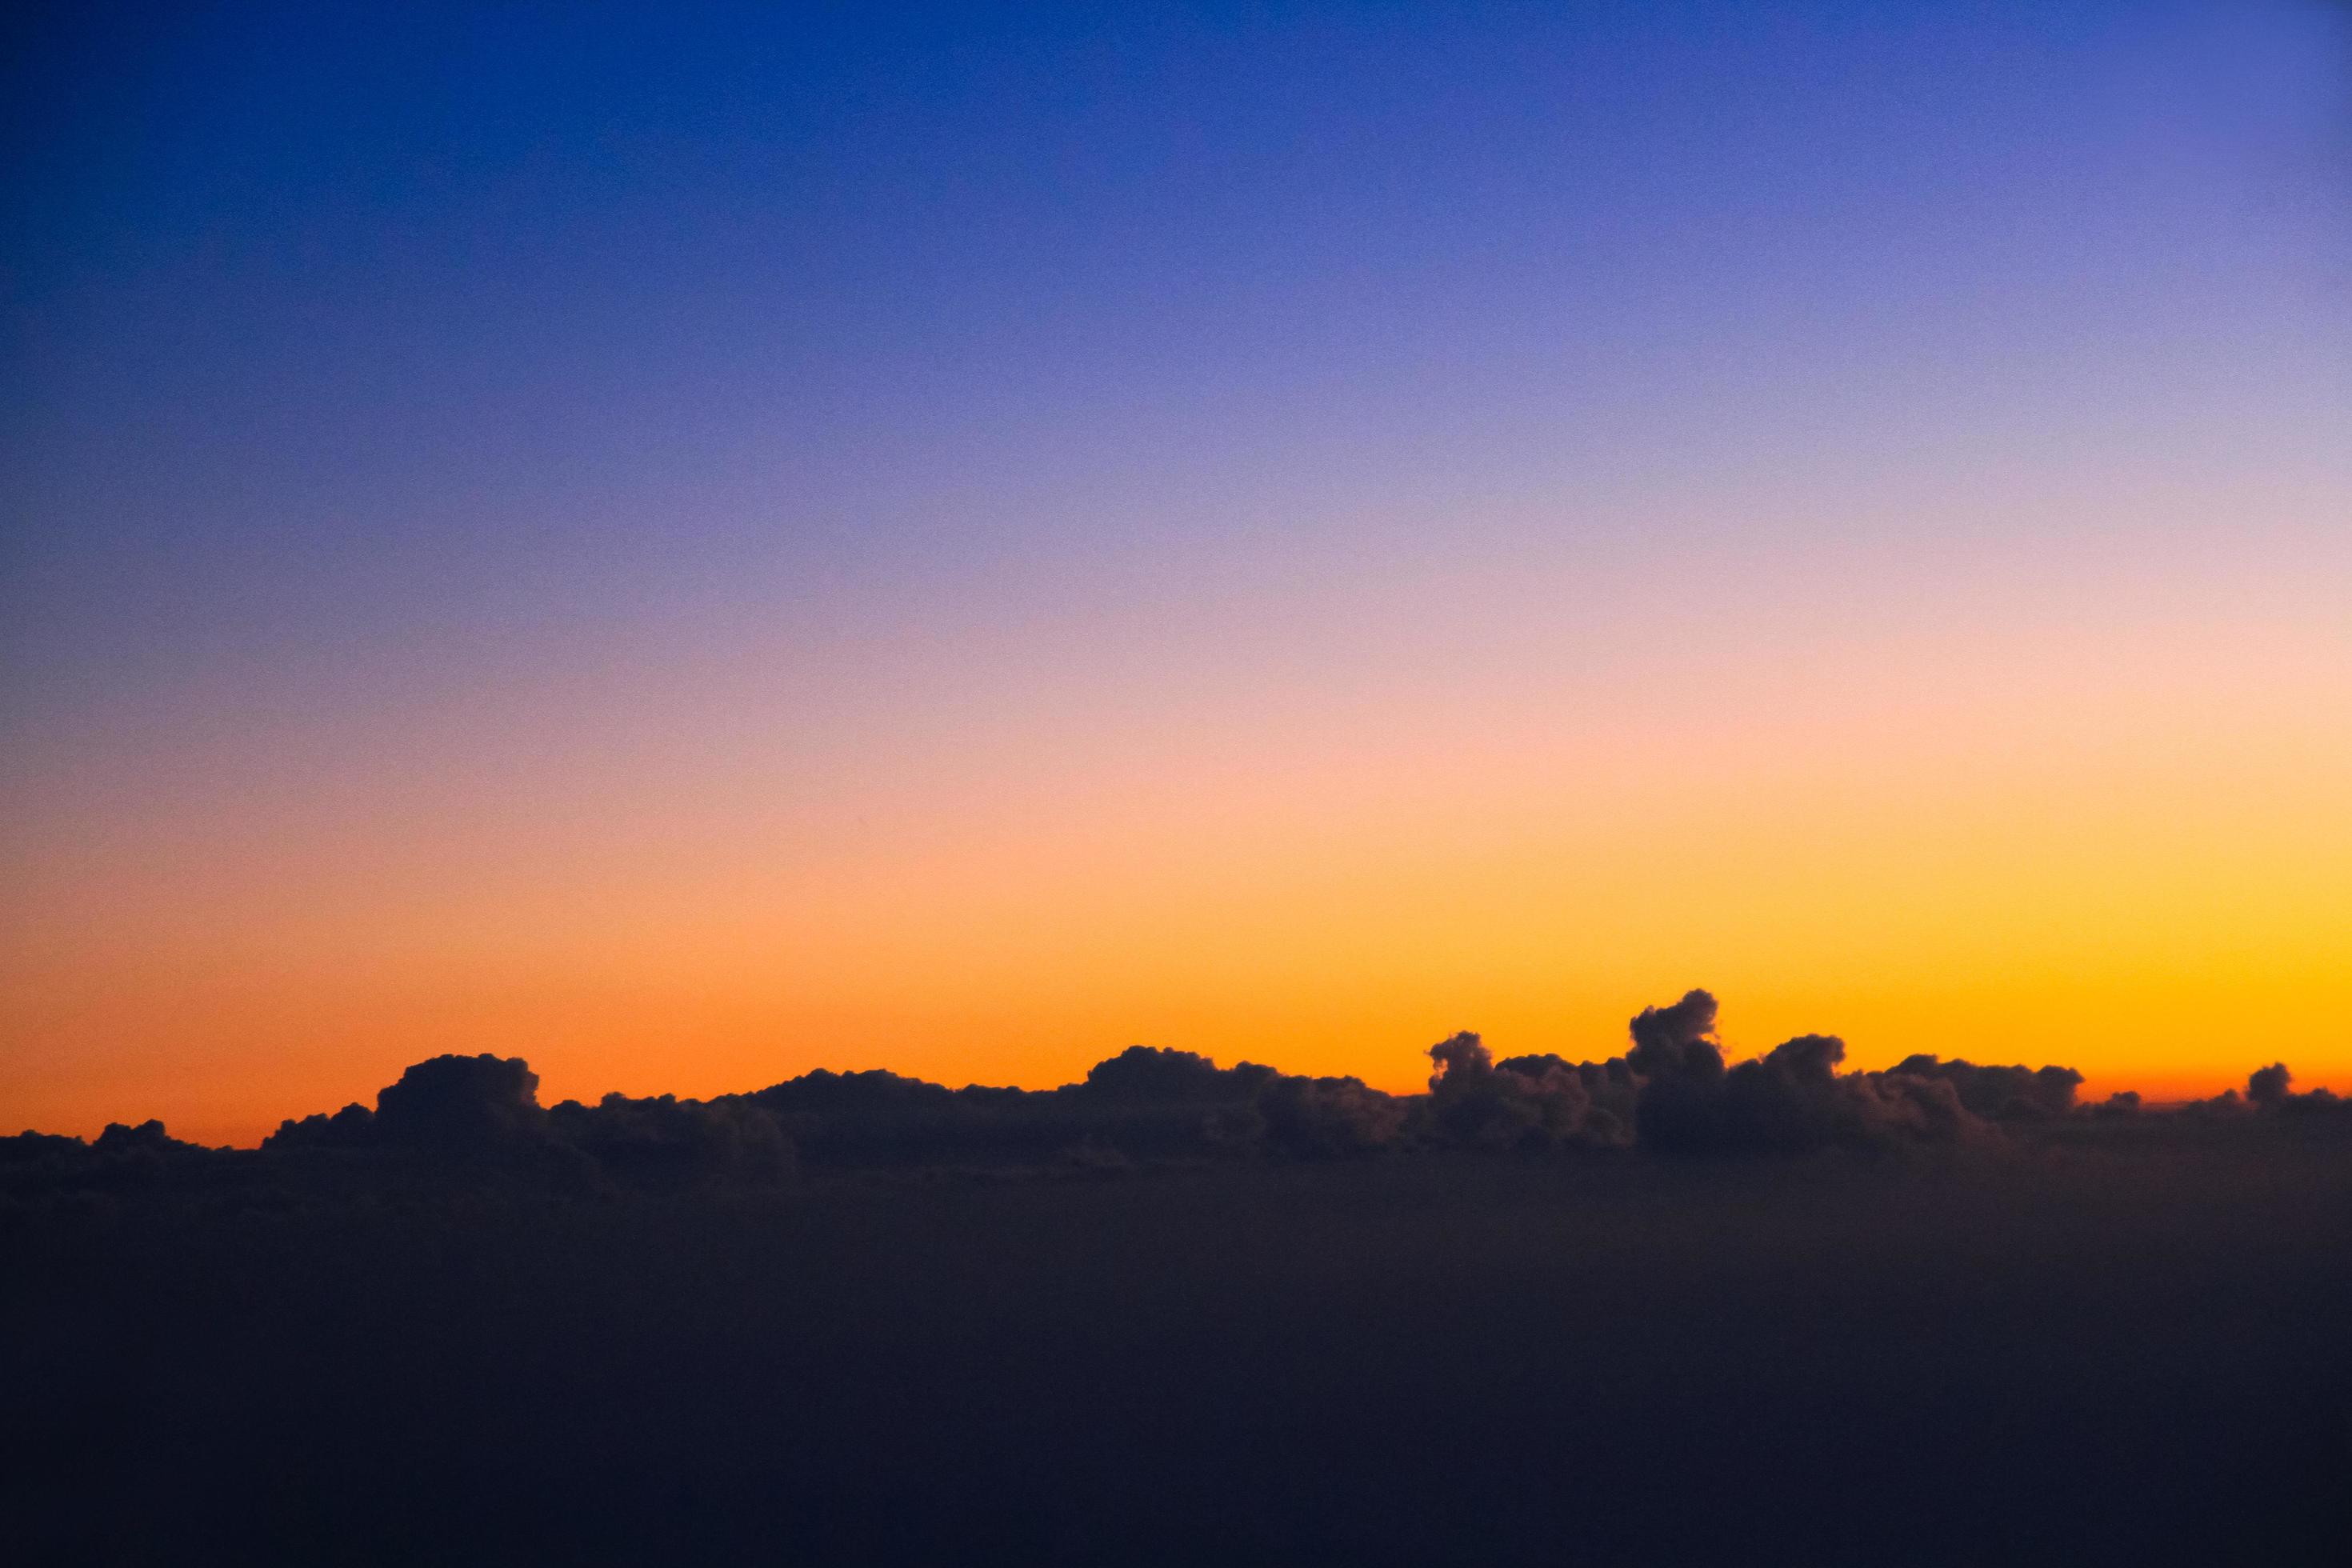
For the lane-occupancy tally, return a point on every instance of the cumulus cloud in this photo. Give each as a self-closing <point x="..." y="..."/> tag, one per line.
<point x="1793" y="1097"/>
<point x="1325" y="1117"/>
<point x="122" y="1158"/>
<point x="1672" y="1092"/>
<point x="2002" y="1093"/>
<point x="1151" y="1076"/>
<point x="665" y="1141"/>
<point x="447" y="1102"/>
<point x="1141" y="1104"/>
<point x="2272" y="1088"/>
<point x="462" y="1102"/>
<point x="2269" y="1090"/>
<point x="1676" y="1041"/>
<point x="486" y="1107"/>
<point x="1524" y="1102"/>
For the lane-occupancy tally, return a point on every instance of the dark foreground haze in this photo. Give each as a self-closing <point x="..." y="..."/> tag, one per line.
<point x="1654" y="1309"/>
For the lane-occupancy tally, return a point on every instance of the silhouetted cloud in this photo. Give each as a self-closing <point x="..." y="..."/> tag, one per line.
<point x="2269" y="1090"/>
<point x="1676" y="1041"/>
<point x="1793" y="1098"/>
<point x="1325" y="1116"/>
<point x="486" y="1107"/>
<point x="1525" y="1102"/>
<point x="448" y="1102"/>
<point x="1150" y="1075"/>
<point x="462" y="1102"/>
<point x="1672" y="1093"/>
<point x="353" y="1127"/>
<point x="667" y="1140"/>
<point x="121" y="1159"/>
<point x="2002" y="1093"/>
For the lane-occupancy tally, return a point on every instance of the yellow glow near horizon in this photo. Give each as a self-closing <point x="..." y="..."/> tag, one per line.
<point x="2110" y="852"/>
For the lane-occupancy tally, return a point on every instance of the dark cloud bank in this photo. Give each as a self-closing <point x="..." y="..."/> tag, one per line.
<point x="1659" y="1308"/>
<point x="1671" y="1094"/>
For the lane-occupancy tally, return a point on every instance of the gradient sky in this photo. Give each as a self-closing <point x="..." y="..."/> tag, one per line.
<point x="691" y="549"/>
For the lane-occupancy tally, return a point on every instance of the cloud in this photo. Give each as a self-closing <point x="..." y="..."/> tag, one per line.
<point x="1676" y="1041"/>
<point x="2002" y="1093"/>
<point x="1147" y="1076"/>
<point x="1524" y="1102"/>
<point x="470" y="1108"/>
<point x="665" y="1141"/>
<point x="2269" y="1090"/>
<point x="452" y="1101"/>
<point x="1671" y="1094"/>
<point x="1793" y="1097"/>
<point x="2267" y="1086"/>
<point x="1329" y="1117"/>
<point x="445" y="1102"/>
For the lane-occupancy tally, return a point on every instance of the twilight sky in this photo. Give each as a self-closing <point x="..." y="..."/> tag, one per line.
<point x="690" y="549"/>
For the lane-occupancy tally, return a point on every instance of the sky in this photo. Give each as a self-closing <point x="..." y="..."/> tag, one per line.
<point x="695" y="547"/>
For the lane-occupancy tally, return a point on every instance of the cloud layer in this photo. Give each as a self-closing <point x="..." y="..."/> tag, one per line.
<point x="1671" y="1094"/>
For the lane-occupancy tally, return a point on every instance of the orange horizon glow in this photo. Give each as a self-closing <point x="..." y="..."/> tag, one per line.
<point x="596" y="1062"/>
<point x="2119" y="848"/>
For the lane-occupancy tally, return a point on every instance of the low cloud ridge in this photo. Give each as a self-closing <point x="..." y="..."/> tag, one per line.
<point x="1671" y="1094"/>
